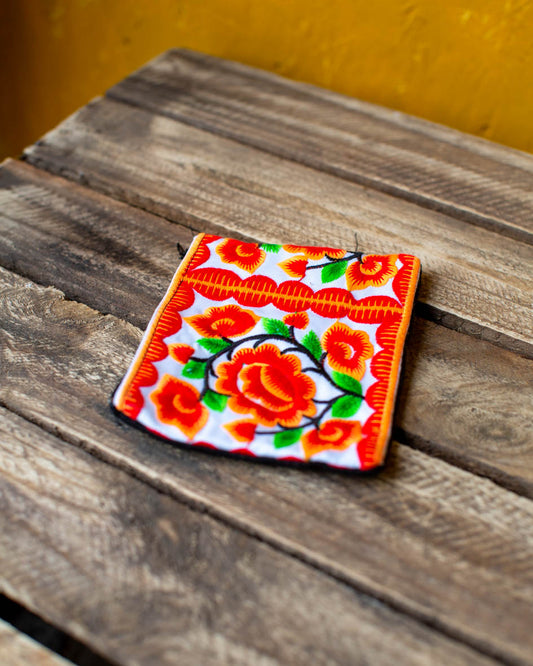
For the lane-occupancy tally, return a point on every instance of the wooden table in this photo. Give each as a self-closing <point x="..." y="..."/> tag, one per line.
<point x="151" y="554"/>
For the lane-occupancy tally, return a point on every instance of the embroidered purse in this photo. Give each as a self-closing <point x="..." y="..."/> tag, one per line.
<point x="284" y="352"/>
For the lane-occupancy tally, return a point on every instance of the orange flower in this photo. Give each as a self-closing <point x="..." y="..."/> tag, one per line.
<point x="242" y="431"/>
<point x="177" y="403"/>
<point x="373" y="270"/>
<point x="315" y="252"/>
<point x="223" y="322"/>
<point x="347" y="349"/>
<point x="181" y="352"/>
<point x="294" y="266"/>
<point x="248" y="256"/>
<point x="268" y="385"/>
<point x="296" y="319"/>
<point x="335" y="434"/>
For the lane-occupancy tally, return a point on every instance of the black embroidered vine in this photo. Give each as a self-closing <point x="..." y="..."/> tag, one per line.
<point x="344" y="404"/>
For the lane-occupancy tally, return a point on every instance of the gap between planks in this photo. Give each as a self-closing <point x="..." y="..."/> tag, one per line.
<point x="119" y="260"/>
<point x="432" y="166"/>
<point x="94" y="429"/>
<point x="18" y="649"/>
<point x="51" y="638"/>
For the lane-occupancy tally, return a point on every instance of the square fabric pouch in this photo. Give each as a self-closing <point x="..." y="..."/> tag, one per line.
<point x="284" y="352"/>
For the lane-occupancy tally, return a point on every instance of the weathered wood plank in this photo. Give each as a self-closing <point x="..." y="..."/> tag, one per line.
<point x="114" y="257"/>
<point x="16" y="649"/>
<point x="148" y="580"/>
<point x="119" y="260"/>
<point x="187" y="175"/>
<point x="481" y="182"/>
<point x="470" y="403"/>
<point x="431" y="540"/>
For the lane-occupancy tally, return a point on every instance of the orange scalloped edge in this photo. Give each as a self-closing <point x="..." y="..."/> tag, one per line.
<point x="122" y="392"/>
<point x="373" y="456"/>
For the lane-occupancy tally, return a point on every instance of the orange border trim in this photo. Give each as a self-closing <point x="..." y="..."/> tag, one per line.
<point x="388" y="405"/>
<point x="125" y="384"/>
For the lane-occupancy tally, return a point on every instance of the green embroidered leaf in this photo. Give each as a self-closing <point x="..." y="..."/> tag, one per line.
<point x="287" y="437"/>
<point x="194" y="369"/>
<point x="311" y="342"/>
<point x="213" y="345"/>
<point x="215" y="401"/>
<point x="347" y="383"/>
<point x="345" y="406"/>
<point x="267" y="247"/>
<point x="333" y="271"/>
<point x="276" y="327"/>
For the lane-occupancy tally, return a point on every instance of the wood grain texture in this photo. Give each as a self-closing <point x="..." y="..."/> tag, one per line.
<point x="431" y="540"/>
<point x="188" y="175"/>
<point x="112" y="256"/>
<point x="17" y="649"/>
<point x="468" y="402"/>
<point x="483" y="183"/>
<point x="148" y="580"/>
<point x="461" y="398"/>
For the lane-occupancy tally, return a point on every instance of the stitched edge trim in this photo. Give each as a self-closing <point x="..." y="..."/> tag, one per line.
<point x="389" y="402"/>
<point x="179" y="275"/>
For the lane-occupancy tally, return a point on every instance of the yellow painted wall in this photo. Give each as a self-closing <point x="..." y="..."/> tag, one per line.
<point x="464" y="63"/>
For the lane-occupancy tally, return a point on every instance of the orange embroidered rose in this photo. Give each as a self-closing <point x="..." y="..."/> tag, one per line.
<point x="223" y="322"/>
<point x="248" y="256"/>
<point x="267" y="384"/>
<point x="372" y="271"/>
<point x="296" y="319"/>
<point x="335" y="434"/>
<point x="315" y="252"/>
<point x="347" y="349"/>
<point x="177" y="403"/>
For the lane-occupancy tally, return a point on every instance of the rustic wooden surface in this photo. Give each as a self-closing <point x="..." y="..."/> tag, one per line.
<point x="149" y="553"/>
<point x="147" y="579"/>
<point x="118" y="260"/>
<point x="360" y="142"/>
<point x="192" y="176"/>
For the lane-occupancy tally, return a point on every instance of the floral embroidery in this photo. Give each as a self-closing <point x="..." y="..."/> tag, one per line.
<point x="373" y="271"/>
<point x="332" y="434"/>
<point x="334" y="267"/>
<point x="315" y="252"/>
<point x="243" y="431"/>
<point x="268" y="385"/>
<point x="347" y="350"/>
<point x="294" y="266"/>
<point x="177" y="403"/>
<point x="267" y="382"/>
<point x="248" y="256"/>
<point x="181" y="352"/>
<point x="271" y="366"/>
<point x="297" y="319"/>
<point x="224" y="322"/>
